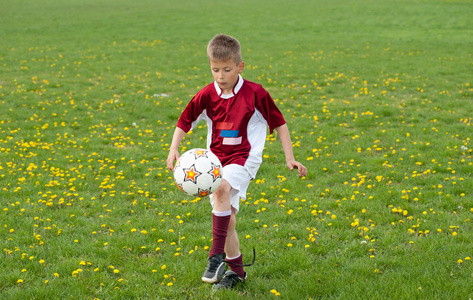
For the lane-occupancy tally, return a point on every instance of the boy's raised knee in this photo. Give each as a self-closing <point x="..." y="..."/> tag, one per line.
<point x="223" y="190"/>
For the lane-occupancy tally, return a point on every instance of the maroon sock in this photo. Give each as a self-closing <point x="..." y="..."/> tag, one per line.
<point x="219" y="232"/>
<point x="235" y="265"/>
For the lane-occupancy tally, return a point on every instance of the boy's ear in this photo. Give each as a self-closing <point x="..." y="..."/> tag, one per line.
<point x="241" y="66"/>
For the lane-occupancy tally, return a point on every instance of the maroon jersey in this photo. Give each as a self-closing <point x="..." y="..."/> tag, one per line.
<point x="236" y="123"/>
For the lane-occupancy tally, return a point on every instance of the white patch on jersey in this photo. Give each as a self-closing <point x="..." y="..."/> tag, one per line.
<point x="257" y="127"/>
<point x="232" y="141"/>
<point x="203" y="116"/>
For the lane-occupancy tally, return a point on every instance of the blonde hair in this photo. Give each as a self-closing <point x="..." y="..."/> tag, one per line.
<point x="223" y="47"/>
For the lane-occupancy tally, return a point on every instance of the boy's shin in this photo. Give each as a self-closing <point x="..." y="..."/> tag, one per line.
<point x="220" y="221"/>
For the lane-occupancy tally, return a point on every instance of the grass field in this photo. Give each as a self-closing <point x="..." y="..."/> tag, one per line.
<point x="377" y="95"/>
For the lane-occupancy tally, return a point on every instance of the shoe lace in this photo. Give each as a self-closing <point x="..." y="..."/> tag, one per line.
<point x="213" y="263"/>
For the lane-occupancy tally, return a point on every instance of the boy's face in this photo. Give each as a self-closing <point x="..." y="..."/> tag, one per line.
<point x="226" y="73"/>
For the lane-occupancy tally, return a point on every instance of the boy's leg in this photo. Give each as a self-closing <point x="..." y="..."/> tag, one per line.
<point x="225" y="201"/>
<point x="232" y="248"/>
<point x="232" y="244"/>
<point x="221" y="215"/>
<point x="237" y="274"/>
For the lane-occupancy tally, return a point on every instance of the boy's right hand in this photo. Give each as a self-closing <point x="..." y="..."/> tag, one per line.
<point x="172" y="157"/>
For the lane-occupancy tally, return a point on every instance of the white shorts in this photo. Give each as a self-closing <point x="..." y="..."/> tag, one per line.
<point x="239" y="179"/>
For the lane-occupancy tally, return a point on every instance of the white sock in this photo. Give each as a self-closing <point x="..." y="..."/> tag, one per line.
<point x="222" y="213"/>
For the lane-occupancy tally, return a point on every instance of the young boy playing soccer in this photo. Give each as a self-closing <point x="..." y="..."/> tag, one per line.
<point x="237" y="113"/>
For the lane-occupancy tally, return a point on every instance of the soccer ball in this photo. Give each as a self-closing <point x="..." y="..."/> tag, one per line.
<point x="198" y="172"/>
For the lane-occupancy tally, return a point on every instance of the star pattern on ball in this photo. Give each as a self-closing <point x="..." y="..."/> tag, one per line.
<point x="200" y="153"/>
<point x="215" y="172"/>
<point x="191" y="174"/>
<point x="203" y="193"/>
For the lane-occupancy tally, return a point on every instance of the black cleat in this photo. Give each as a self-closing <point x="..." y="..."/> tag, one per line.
<point x="215" y="269"/>
<point x="230" y="281"/>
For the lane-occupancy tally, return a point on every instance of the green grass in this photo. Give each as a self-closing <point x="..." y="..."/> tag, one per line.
<point x="377" y="95"/>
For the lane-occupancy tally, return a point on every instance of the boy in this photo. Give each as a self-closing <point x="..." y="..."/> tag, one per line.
<point x="237" y="113"/>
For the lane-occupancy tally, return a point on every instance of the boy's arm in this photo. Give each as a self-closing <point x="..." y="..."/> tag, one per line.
<point x="284" y="136"/>
<point x="174" y="149"/>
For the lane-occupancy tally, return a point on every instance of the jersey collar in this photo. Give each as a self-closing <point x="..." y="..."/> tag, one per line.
<point x="236" y="88"/>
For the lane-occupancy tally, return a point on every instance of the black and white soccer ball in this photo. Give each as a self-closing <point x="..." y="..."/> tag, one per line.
<point x="198" y="172"/>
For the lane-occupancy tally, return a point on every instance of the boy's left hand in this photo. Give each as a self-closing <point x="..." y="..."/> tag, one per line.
<point x="300" y="167"/>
